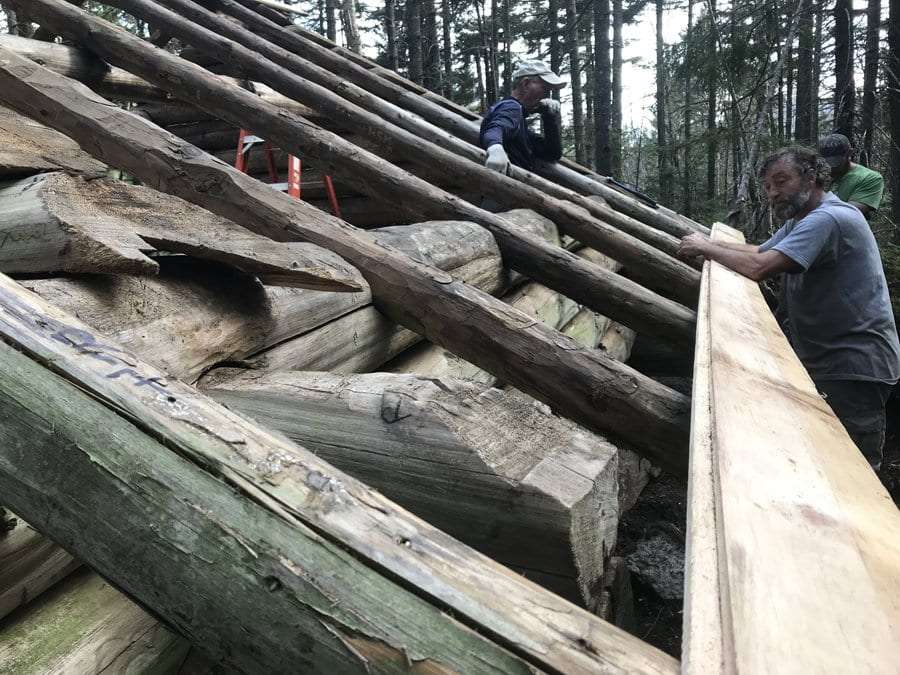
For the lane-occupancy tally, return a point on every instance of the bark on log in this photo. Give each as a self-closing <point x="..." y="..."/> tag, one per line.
<point x="492" y="468"/>
<point x="651" y="267"/>
<point x="30" y="147"/>
<point x="596" y="391"/>
<point x="54" y="222"/>
<point x="429" y="106"/>
<point x="263" y="494"/>
<point x="29" y="565"/>
<point x="84" y="626"/>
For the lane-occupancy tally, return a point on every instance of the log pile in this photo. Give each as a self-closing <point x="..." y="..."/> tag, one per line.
<point x="504" y="417"/>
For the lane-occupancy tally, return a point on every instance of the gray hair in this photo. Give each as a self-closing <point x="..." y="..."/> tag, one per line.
<point x="806" y="160"/>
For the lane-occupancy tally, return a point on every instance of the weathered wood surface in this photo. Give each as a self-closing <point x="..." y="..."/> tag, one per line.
<point x="29" y="147"/>
<point x="29" y="565"/>
<point x="815" y="543"/>
<point x="585" y="386"/>
<point x="262" y="493"/>
<point x="651" y="267"/>
<point x="84" y="626"/>
<point x="495" y="469"/>
<point x="54" y="222"/>
<point x="429" y="106"/>
<point x="196" y="315"/>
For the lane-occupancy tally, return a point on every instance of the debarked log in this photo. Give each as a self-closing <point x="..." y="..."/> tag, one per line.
<point x="54" y="222"/>
<point x="205" y="518"/>
<point x="495" y="469"/>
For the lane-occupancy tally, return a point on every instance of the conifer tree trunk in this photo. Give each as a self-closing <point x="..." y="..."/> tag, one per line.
<point x="586" y="38"/>
<point x="789" y="97"/>
<point x="615" y="123"/>
<point x="430" y="53"/>
<point x="712" y="88"/>
<point x="507" y="49"/>
<point x="844" y="85"/>
<point x="819" y="9"/>
<point x="447" y="50"/>
<point x="870" y="80"/>
<point x="686" y="186"/>
<point x="575" y="75"/>
<point x="555" y="47"/>
<point x="602" y="141"/>
<point x="348" y="19"/>
<point x="892" y="71"/>
<point x="495" y="46"/>
<point x="331" y="20"/>
<point x="479" y="81"/>
<point x="804" y="124"/>
<point x="663" y="163"/>
<point x="390" y="30"/>
<point x="414" y="39"/>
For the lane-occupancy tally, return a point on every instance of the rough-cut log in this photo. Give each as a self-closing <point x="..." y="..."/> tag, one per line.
<point x="29" y="565"/>
<point x="651" y="267"/>
<point x="84" y="626"/>
<point x="492" y="468"/>
<point x="29" y="147"/>
<point x="206" y="519"/>
<point x="54" y="222"/>
<point x="585" y="386"/>
<point x="441" y="113"/>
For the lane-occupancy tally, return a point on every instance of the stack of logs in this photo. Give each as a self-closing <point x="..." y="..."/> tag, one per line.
<point x="290" y="334"/>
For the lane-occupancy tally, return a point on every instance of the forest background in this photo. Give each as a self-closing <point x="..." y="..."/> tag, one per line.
<point x="741" y="79"/>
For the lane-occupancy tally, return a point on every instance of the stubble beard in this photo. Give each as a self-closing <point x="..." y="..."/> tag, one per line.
<point x="793" y="206"/>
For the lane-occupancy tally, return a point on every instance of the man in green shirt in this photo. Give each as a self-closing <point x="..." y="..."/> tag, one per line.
<point x="853" y="183"/>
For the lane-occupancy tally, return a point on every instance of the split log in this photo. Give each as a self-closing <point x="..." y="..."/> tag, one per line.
<point x="441" y="113"/>
<point x="30" y="147"/>
<point x="653" y="268"/>
<point x="599" y="392"/>
<point x="58" y="223"/>
<point x="84" y="626"/>
<point x="325" y="607"/>
<point x="492" y="468"/>
<point x="29" y="565"/>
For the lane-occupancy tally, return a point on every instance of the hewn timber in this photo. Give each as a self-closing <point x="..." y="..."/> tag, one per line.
<point x="30" y="147"/>
<point x="651" y="267"/>
<point x="816" y="542"/>
<point x="428" y="106"/>
<point x="29" y="565"/>
<point x="494" y="469"/>
<point x="585" y="386"/>
<point x="54" y="222"/>
<point x="84" y="626"/>
<point x="137" y="449"/>
<point x="195" y="315"/>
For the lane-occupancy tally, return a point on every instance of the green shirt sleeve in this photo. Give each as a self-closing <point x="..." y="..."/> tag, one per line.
<point x="867" y="190"/>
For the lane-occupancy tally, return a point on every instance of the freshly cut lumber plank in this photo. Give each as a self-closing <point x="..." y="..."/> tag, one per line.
<point x="211" y="458"/>
<point x="84" y="626"/>
<point x="54" y="222"/>
<point x="815" y="542"/>
<point x="30" y="147"/>
<point x="29" y="564"/>
<point x="585" y="386"/>
<point x="495" y="469"/>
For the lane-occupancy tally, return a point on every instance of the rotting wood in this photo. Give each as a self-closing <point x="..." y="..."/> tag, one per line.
<point x="816" y="542"/>
<point x="54" y="222"/>
<point x="217" y="457"/>
<point x="30" y="147"/>
<point x="84" y="626"/>
<point x="650" y="267"/>
<point x="492" y="468"/>
<point x="29" y="565"/>
<point x="583" y="385"/>
<point x="430" y="107"/>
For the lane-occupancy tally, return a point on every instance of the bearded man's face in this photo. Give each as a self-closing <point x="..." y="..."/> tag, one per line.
<point x="787" y="188"/>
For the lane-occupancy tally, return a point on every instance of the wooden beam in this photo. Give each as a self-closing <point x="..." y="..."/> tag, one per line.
<point x="54" y="222"/>
<point x="140" y="439"/>
<point x="816" y="542"/>
<point x="651" y="267"/>
<point x="587" y="387"/>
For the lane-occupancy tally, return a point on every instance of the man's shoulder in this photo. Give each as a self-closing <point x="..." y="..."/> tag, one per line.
<point x="505" y="105"/>
<point x="861" y="172"/>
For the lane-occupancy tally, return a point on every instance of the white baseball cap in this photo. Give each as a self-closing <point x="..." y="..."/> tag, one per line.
<point x="541" y="70"/>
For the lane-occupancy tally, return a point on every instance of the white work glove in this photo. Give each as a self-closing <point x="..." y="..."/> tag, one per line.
<point x="548" y="106"/>
<point x="497" y="159"/>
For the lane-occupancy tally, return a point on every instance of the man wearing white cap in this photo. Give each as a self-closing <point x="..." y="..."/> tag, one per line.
<point x="504" y="133"/>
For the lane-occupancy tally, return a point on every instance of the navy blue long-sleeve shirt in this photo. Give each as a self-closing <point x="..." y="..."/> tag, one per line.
<point x="505" y="124"/>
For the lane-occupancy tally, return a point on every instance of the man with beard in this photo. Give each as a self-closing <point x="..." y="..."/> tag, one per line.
<point x="838" y="310"/>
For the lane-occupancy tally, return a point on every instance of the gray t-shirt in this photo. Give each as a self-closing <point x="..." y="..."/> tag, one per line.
<point x="839" y="313"/>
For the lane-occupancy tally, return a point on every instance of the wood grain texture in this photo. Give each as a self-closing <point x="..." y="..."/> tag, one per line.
<point x="217" y="451"/>
<point x="807" y="562"/>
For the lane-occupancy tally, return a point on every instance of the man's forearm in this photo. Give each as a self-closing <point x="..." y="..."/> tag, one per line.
<point x="739" y="246"/>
